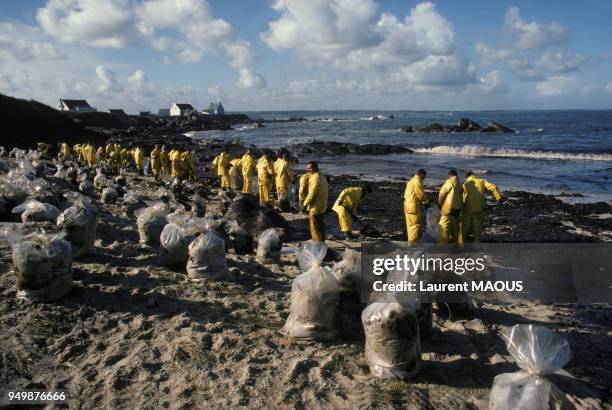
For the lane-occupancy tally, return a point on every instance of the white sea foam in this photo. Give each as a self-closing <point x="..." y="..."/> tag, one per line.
<point x="474" y="150"/>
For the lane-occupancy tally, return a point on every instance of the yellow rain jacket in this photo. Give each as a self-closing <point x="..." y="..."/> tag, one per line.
<point x="318" y="193"/>
<point x="155" y="162"/>
<point x="166" y="164"/>
<point x="65" y="150"/>
<point x="234" y="173"/>
<point x="345" y="205"/>
<point x="139" y="159"/>
<point x="221" y="167"/>
<point x="474" y="190"/>
<point x="303" y="187"/>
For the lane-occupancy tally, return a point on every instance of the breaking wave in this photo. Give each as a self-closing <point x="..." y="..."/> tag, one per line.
<point x="474" y="150"/>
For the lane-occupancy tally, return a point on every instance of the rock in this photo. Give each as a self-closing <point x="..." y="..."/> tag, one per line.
<point x="435" y="127"/>
<point x="497" y="127"/>
<point x="342" y="148"/>
<point x="407" y="129"/>
<point x="152" y="303"/>
<point x="466" y="125"/>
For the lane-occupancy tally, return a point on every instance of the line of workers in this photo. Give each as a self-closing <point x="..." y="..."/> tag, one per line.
<point x="162" y="162"/>
<point x="461" y="205"/>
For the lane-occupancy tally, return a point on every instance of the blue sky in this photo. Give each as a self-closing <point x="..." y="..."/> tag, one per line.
<point x="316" y="54"/>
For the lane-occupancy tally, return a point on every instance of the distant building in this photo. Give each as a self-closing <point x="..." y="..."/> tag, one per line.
<point x="178" y="110"/>
<point x="163" y="112"/>
<point x="74" y="106"/>
<point x="145" y="113"/>
<point x="117" y="111"/>
<point x="215" y="109"/>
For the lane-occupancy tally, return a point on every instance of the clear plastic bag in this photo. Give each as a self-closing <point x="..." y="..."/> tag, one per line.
<point x="254" y="186"/>
<point x="314" y="297"/>
<point x="42" y="265"/>
<point x="109" y="195"/>
<point x="198" y="206"/>
<point x="99" y="180"/>
<point x="61" y="172"/>
<point x="151" y="222"/>
<point x="79" y="223"/>
<point x="432" y="219"/>
<point x="132" y="203"/>
<point x="35" y="211"/>
<point x="348" y="271"/>
<point x="13" y="195"/>
<point x="392" y="347"/>
<point x="269" y="246"/>
<point x="538" y="352"/>
<point x="207" y="260"/>
<point x="174" y="245"/>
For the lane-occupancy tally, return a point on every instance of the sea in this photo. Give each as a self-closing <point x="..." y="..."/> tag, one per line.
<point x="560" y="152"/>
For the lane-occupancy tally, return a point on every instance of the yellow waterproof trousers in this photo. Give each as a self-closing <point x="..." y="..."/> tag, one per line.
<point x="317" y="226"/>
<point x="281" y="193"/>
<point x="246" y="186"/>
<point x="413" y="227"/>
<point x="449" y="229"/>
<point x="344" y="219"/>
<point x="225" y="181"/>
<point x="264" y="192"/>
<point x="155" y="167"/>
<point x="471" y="223"/>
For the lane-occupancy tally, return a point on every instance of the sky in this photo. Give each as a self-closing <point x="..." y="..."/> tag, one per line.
<point x="309" y="54"/>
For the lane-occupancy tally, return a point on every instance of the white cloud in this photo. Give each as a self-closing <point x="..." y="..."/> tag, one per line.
<point x="249" y="79"/>
<point x="532" y="34"/>
<point x="240" y="54"/>
<point x="23" y="43"/>
<point x="561" y="62"/>
<point x="141" y="84"/>
<point x="107" y="83"/>
<point x="558" y="85"/>
<point x="94" y="23"/>
<point x="609" y="87"/>
<point x="492" y="83"/>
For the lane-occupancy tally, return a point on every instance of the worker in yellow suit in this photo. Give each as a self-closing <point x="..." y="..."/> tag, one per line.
<point x="43" y="148"/>
<point x="100" y="154"/>
<point x="126" y="158"/>
<point x="346" y="207"/>
<point x="139" y="160"/>
<point x="65" y="151"/>
<point x="90" y="155"/>
<point x="221" y="168"/>
<point x="115" y="160"/>
<point x="450" y="200"/>
<point x="283" y="176"/>
<point x="316" y="201"/>
<point x="235" y="171"/>
<point x="248" y="170"/>
<point x="192" y="165"/>
<point x="175" y="162"/>
<point x="265" y="178"/>
<point x="155" y="163"/>
<point x="414" y="200"/>
<point x="164" y="159"/>
<point x="474" y="191"/>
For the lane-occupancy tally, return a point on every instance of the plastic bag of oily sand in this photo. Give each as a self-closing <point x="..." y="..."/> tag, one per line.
<point x="131" y="203"/>
<point x="151" y="222"/>
<point x="43" y="266"/>
<point x="207" y="258"/>
<point x="35" y="211"/>
<point x="239" y="238"/>
<point x="198" y="206"/>
<point x="348" y="271"/>
<point x="79" y="223"/>
<point x="99" y="180"/>
<point x="314" y="297"/>
<point x="392" y="347"/>
<point x="538" y="352"/>
<point x="174" y="245"/>
<point x="432" y="219"/>
<point x="109" y="195"/>
<point x="269" y="246"/>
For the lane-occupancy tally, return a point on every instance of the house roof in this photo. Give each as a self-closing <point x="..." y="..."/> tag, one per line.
<point x="75" y="103"/>
<point x="184" y="106"/>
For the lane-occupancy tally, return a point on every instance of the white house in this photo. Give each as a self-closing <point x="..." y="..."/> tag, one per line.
<point x="178" y="110"/>
<point x="74" y="106"/>
<point x="215" y="109"/>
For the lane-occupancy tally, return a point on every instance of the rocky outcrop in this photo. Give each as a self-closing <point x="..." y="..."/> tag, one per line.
<point x="463" y="125"/>
<point x="342" y="148"/>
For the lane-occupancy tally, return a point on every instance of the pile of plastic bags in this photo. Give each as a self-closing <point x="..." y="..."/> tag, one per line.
<point x="43" y="266"/>
<point x="538" y="352"/>
<point x="174" y="245"/>
<point x="314" y="297"/>
<point x="348" y="271"/>
<point x="393" y="347"/>
<point x="109" y="195"/>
